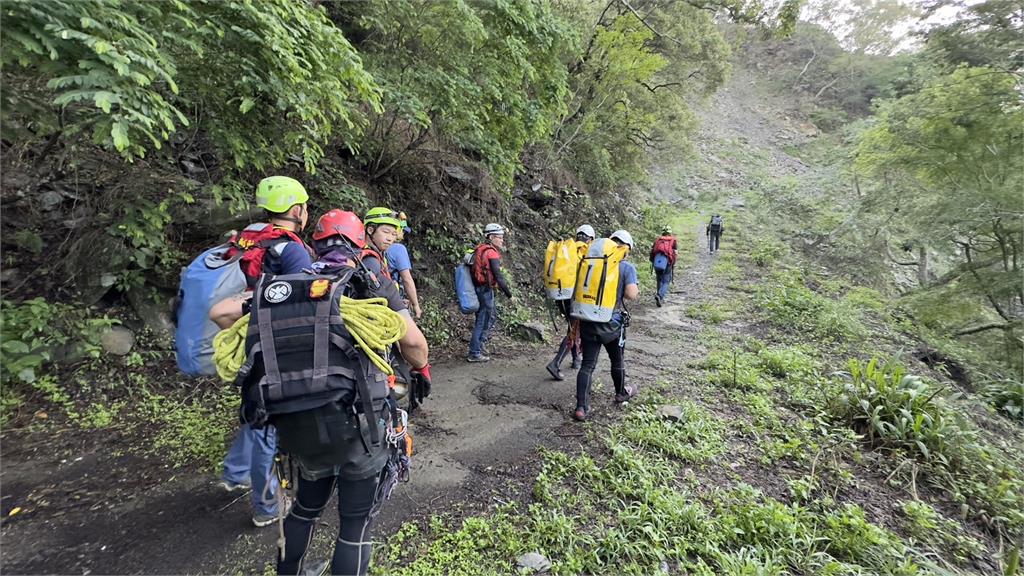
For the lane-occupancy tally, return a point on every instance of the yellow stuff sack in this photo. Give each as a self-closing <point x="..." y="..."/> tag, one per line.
<point x="560" y="262"/>
<point x="597" y="281"/>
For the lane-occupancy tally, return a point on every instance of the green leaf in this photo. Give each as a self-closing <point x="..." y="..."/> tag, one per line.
<point x="27" y="375"/>
<point x="119" y="132"/>
<point x="104" y="99"/>
<point x="247" y="104"/>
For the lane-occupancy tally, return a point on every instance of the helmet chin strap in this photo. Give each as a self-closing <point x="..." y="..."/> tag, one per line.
<point x="287" y="218"/>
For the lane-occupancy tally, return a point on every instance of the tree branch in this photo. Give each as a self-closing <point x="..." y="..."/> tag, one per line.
<point x="983" y="328"/>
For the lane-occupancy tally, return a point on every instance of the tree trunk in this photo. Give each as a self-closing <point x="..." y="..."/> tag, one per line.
<point x="922" y="265"/>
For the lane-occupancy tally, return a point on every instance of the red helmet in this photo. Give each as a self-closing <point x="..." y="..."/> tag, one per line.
<point x="341" y="223"/>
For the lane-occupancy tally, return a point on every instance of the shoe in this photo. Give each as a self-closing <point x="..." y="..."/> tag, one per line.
<point x="579" y="415"/>
<point x="657" y="300"/>
<point x="626" y="394"/>
<point x="576" y="363"/>
<point x="262" y="520"/>
<point x="228" y="486"/>
<point x="555" y="372"/>
<point x="478" y="358"/>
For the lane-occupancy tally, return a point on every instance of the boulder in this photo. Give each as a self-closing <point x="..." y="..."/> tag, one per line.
<point x="671" y="412"/>
<point x="533" y="562"/>
<point x="152" y="307"/>
<point x="530" y="331"/>
<point x="117" y="340"/>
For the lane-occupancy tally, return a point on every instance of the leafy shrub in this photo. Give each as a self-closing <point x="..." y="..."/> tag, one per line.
<point x="273" y="78"/>
<point x="898" y="410"/>
<point x="34" y="330"/>
<point x="1007" y="396"/>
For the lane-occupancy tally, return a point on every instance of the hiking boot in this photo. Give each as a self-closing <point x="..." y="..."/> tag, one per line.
<point x="627" y="393"/>
<point x="657" y="300"/>
<point x="576" y="363"/>
<point x="478" y="358"/>
<point x="579" y="415"/>
<point x="555" y="372"/>
<point x="229" y="486"/>
<point x="262" y="520"/>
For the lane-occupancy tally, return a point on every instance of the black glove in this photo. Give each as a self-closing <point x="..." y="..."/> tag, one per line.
<point x="420" y="387"/>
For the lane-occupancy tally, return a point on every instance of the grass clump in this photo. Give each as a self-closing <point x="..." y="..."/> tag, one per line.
<point x="791" y="305"/>
<point x="695" y="437"/>
<point x="712" y="313"/>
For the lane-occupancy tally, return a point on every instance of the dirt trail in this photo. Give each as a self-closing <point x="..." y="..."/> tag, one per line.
<point x="479" y="434"/>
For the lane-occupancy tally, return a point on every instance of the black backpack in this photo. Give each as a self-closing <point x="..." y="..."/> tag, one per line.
<point x="301" y="359"/>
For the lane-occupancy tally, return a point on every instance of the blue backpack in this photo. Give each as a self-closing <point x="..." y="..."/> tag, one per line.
<point x="207" y="280"/>
<point x="660" y="262"/>
<point x="464" y="288"/>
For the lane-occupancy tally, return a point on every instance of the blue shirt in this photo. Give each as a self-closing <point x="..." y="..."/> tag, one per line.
<point x="627" y="276"/>
<point x="294" y="259"/>
<point x="398" y="260"/>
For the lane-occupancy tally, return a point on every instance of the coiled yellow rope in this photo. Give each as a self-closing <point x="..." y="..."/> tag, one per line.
<point x="229" y="349"/>
<point x="372" y="324"/>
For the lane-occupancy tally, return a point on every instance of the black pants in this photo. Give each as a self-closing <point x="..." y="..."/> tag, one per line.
<point x="713" y="238"/>
<point x="353" y="547"/>
<point x="591" y="351"/>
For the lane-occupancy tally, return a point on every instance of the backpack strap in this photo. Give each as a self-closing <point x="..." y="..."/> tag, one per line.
<point x="272" y="371"/>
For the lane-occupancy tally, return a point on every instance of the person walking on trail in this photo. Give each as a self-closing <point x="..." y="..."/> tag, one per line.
<point x="250" y="459"/>
<point x="401" y="269"/>
<point x="714" y="233"/>
<point x="329" y="442"/>
<point x="663" y="260"/>
<point x="571" y="343"/>
<point x="610" y="335"/>
<point x="487" y="275"/>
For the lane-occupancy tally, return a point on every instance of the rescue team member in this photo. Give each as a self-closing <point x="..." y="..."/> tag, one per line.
<point x="487" y="275"/>
<point x="356" y="469"/>
<point x="382" y="227"/>
<point x="664" y="267"/>
<point x="611" y="335"/>
<point x="401" y="269"/>
<point x="250" y="459"/>
<point x="584" y="236"/>
<point x="714" y="231"/>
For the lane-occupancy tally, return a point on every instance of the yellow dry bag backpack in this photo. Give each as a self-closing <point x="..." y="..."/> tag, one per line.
<point x="597" y="281"/>
<point x="560" y="262"/>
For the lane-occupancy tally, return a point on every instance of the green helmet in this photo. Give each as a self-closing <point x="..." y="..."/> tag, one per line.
<point x="666" y="230"/>
<point x="279" y="193"/>
<point x="382" y="215"/>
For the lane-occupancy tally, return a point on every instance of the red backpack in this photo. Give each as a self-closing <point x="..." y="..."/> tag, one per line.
<point x="663" y="245"/>
<point x="481" y="266"/>
<point x="256" y="241"/>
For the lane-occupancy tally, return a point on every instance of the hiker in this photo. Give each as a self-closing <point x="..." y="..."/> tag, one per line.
<point x="250" y="459"/>
<point x="401" y="269"/>
<point x="331" y="440"/>
<point x="663" y="260"/>
<point x="714" y="233"/>
<point x="382" y="228"/>
<point x="610" y="334"/>
<point x="571" y="343"/>
<point x="487" y="275"/>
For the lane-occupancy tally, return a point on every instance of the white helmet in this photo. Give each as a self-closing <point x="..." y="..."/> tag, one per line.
<point x="586" y="230"/>
<point x="624" y="237"/>
<point x="494" y="229"/>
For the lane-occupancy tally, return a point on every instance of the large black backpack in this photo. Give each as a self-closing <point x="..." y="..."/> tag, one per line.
<point x="302" y="360"/>
<point x="716" y="222"/>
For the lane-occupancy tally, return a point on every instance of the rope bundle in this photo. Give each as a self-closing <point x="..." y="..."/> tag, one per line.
<point x="372" y="324"/>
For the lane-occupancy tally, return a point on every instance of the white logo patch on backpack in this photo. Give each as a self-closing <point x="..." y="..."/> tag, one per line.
<point x="277" y="292"/>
